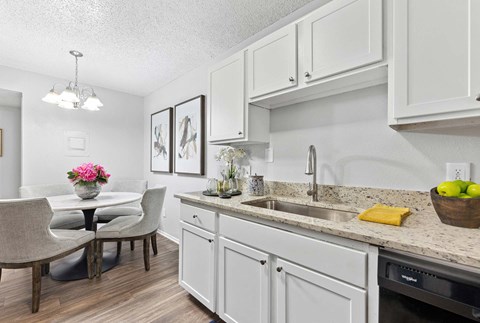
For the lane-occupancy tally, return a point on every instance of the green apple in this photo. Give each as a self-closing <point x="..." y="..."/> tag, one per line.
<point x="463" y="185"/>
<point x="469" y="183"/>
<point x="450" y="189"/>
<point x="474" y="190"/>
<point x="464" y="196"/>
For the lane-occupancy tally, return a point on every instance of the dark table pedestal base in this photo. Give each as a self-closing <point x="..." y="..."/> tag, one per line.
<point x="74" y="267"/>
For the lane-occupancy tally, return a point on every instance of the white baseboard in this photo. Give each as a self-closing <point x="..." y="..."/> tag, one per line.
<point x="168" y="236"/>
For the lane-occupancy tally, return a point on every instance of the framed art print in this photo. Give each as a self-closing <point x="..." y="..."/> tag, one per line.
<point x="161" y="142"/>
<point x="190" y="136"/>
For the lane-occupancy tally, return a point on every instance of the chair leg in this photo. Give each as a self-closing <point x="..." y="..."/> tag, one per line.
<point x="119" y="248"/>
<point x="132" y="245"/>
<point x="146" y="254"/>
<point x="90" y="258"/>
<point x="99" y="258"/>
<point x="36" y="286"/>
<point x="154" y="244"/>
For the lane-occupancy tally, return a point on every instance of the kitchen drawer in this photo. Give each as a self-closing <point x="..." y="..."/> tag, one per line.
<point x="340" y="262"/>
<point x="199" y="217"/>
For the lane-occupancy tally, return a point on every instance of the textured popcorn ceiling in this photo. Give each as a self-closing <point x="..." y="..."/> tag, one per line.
<point x="134" y="46"/>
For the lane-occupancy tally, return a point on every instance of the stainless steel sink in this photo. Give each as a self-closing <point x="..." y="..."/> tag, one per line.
<point x="306" y="210"/>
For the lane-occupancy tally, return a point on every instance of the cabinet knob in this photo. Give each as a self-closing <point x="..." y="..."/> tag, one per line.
<point x="291" y="79"/>
<point x="210" y="240"/>
<point x="195" y="216"/>
<point x="279" y="269"/>
<point x="240" y="133"/>
<point x="263" y="262"/>
<point x="307" y="74"/>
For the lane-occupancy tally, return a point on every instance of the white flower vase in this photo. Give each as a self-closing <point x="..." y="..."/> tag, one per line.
<point x="87" y="191"/>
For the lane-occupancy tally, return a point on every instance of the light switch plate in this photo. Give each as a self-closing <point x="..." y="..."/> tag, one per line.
<point x="269" y="155"/>
<point x="245" y="170"/>
<point x="458" y="171"/>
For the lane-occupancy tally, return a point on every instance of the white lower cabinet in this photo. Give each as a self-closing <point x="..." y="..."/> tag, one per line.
<point x="304" y="295"/>
<point x="249" y="272"/>
<point x="197" y="264"/>
<point x="244" y="289"/>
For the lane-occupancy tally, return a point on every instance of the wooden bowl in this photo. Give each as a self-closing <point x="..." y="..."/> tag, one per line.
<point x="456" y="211"/>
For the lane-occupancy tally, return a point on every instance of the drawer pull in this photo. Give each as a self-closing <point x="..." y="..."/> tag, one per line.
<point x="263" y="262"/>
<point x="210" y="240"/>
<point x="307" y="74"/>
<point x="195" y="216"/>
<point x="279" y="269"/>
<point x="291" y="79"/>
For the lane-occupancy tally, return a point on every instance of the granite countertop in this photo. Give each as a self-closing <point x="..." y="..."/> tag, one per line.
<point x="421" y="233"/>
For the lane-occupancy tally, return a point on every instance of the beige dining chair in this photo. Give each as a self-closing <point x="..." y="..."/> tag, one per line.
<point x="26" y="240"/>
<point x="107" y="214"/>
<point x="60" y="220"/>
<point x="131" y="228"/>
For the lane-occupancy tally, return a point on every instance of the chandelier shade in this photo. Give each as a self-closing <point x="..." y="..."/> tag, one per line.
<point x="74" y="97"/>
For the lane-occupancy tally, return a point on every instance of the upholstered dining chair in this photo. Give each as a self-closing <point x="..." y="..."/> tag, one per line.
<point x="60" y="220"/>
<point x="26" y="240"/>
<point x="131" y="228"/>
<point x="107" y="214"/>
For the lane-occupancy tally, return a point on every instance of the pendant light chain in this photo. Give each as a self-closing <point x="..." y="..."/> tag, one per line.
<point x="76" y="71"/>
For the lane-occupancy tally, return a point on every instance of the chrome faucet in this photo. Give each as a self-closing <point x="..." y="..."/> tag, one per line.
<point x="311" y="169"/>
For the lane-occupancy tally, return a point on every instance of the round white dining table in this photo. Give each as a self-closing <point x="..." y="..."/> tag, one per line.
<point x="76" y="268"/>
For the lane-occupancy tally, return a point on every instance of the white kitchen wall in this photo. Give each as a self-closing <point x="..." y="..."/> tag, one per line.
<point x="115" y="132"/>
<point x="11" y="159"/>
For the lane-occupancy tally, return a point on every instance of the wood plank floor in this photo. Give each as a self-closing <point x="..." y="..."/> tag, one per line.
<point x="127" y="293"/>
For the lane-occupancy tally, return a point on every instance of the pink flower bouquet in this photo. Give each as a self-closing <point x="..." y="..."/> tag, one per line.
<point x="88" y="174"/>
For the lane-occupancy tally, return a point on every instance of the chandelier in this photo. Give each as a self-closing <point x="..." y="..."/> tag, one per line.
<point x="73" y="96"/>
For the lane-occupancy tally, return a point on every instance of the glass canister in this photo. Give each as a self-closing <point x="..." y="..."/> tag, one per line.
<point x="255" y="185"/>
<point x="212" y="185"/>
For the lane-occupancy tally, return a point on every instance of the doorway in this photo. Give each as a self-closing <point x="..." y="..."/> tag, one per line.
<point x="10" y="143"/>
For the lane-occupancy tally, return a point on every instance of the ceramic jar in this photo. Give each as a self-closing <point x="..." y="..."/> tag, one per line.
<point x="88" y="191"/>
<point x="255" y="185"/>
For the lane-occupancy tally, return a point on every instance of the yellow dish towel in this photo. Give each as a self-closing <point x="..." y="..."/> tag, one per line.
<point x="385" y="214"/>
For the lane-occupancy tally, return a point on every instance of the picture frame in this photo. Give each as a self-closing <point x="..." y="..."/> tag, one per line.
<point x="190" y="136"/>
<point x="161" y="141"/>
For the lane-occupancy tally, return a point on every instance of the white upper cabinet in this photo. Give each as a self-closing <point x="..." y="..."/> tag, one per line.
<point x="435" y="75"/>
<point x="272" y="62"/>
<point x="226" y="113"/>
<point x="230" y="118"/>
<point x="340" y="36"/>
<point x="335" y="49"/>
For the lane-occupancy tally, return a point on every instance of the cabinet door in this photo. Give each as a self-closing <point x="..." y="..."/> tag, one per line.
<point x="272" y="62"/>
<point x="304" y="295"/>
<point x="342" y="35"/>
<point x="197" y="264"/>
<point x="436" y="65"/>
<point x="244" y="295"/>
<point x="226" y="113"/>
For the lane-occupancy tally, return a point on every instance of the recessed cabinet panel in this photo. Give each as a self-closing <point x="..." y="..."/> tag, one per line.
<point x="272" y="62"/>
<point x="342" y="35"/>
<point x="436" y="67"/>
<point x="243" y="283"/>
<point x="307" y="296"/>
<point x="197" y="264"/>
<point x="227" y="99"/>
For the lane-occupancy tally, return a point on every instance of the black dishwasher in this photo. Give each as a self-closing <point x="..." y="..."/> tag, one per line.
<point x="416" y="290"/>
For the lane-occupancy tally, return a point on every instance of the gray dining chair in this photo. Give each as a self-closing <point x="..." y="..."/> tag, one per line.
<point x="26" y="240"/>
<point x="107" y="214"/>
<point x="131" y="228"/>
<point x="60" y="220"/>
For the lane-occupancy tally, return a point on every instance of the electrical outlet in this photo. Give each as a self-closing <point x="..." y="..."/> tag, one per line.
<point x="458" y="171"/>
<point x="245" y="171"/>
